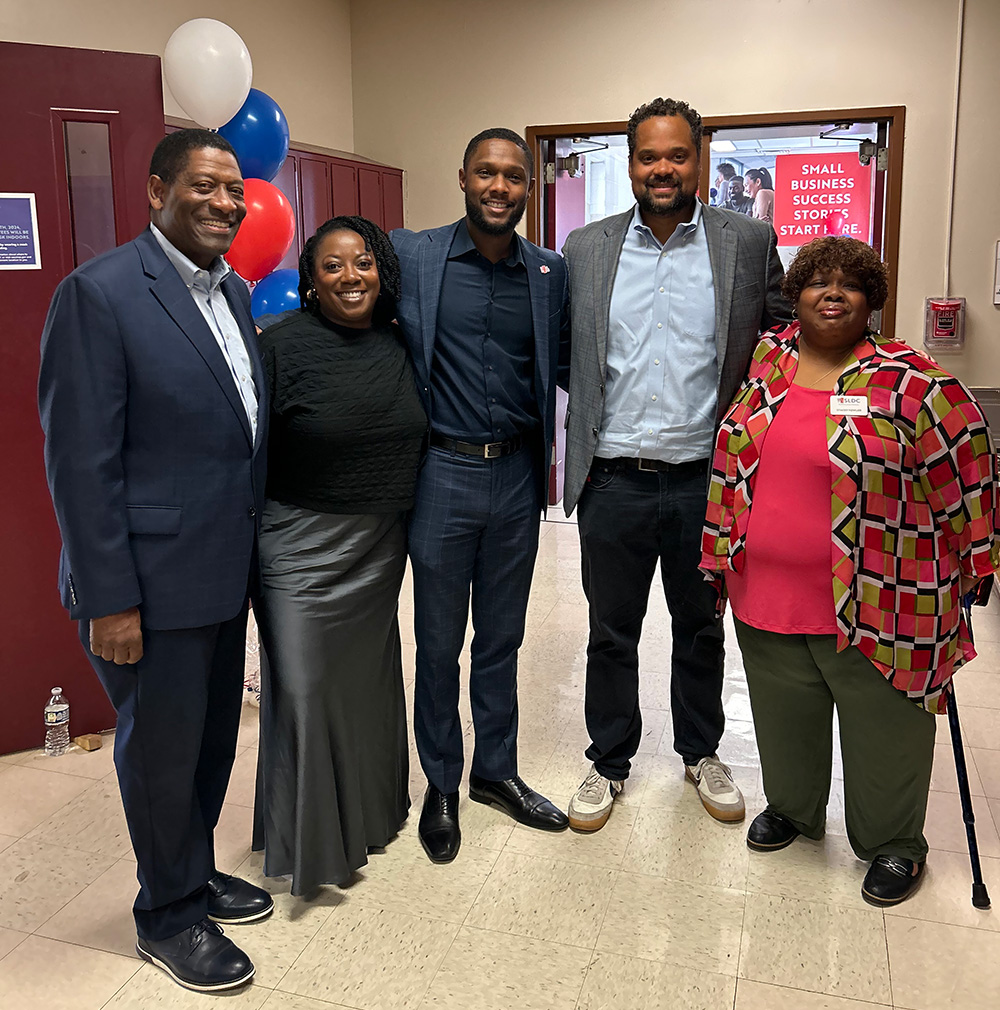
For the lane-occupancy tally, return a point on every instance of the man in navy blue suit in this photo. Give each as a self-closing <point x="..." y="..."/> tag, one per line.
<point x="484" y="312"/>
<point x="153" y="403"/>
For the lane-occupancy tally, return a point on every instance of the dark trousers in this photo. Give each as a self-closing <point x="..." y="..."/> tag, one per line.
<point x="886" y="741"/>
<point x="178" y="717"/>
<point x="474" y="526"/>
<point x="629" y="521"/>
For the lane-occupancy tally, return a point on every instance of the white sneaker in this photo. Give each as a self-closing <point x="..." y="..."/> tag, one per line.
<point x="718" y="793"/>
<point x="590" y="807"/>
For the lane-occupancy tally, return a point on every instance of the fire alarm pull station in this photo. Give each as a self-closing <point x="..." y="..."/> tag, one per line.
<point x="944" y="324"/>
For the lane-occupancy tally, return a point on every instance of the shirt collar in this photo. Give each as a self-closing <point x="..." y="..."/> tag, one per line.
<point x="192" y="275"/>
<point x="686" y="227"/>
<point x="462" y="243"/>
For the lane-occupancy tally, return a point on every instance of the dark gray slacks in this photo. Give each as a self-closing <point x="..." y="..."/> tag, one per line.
<point x="887" y="742"/>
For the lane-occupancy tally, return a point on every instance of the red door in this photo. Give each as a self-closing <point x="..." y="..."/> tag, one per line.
<point x="79" y="127"/>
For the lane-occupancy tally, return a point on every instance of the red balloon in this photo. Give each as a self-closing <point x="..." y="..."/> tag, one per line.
<point x="266" y="233"/>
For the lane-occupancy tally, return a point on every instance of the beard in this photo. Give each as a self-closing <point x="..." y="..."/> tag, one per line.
<point x="479" y="219"/>
<point x="680" y="201"/>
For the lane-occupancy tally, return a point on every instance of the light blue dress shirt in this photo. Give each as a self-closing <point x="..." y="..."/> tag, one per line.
<point x="206" y="290"/>
<point x="661" y="386"/>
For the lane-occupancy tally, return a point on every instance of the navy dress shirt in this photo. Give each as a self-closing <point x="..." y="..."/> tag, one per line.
<point x="483" y="377"/>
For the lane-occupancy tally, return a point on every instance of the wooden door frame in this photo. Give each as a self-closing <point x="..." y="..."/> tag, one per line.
<point x="895" y="114"/>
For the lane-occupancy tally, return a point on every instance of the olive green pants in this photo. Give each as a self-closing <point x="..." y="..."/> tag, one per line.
<point x="886" y="741"/>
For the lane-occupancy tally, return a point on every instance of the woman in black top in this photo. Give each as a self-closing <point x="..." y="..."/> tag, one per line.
<point x="345" y="440"/>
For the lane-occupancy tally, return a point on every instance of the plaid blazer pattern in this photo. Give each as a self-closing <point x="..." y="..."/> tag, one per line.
<point x="747" y="276"/>
<point x="914" y="503"/>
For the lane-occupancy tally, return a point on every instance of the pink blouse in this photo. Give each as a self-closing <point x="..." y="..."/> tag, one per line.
<point x="785" y="583"/>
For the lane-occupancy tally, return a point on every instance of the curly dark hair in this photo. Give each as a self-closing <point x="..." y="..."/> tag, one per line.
<point x="377" y="243"/>
<point x="838" y="253"/>
<point x="664" y="107"/>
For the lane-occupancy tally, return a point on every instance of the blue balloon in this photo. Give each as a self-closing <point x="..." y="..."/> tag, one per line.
<point x="276" y="293"/>
<point x="259" y="135"/>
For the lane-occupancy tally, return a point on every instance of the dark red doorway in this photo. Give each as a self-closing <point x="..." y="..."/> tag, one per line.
<point x="79" y="127"/>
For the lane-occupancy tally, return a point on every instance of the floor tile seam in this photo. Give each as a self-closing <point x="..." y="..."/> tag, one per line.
<point x="87" y="852"/>
<point x="536" y="939"/>
<point x="305" y="946"/>
<point x="604" y="914"/>
<point x="743" y="934"/>
<point x="28" y="763"/>
<point x="114" y="995"/>
<point x="288" y="992"/>
<point x="814" y="992"/>
<point x="16" y="945"/>
<point x="687" y="880"/>
<point x="892" y="913"/>
<point x="74" y="896"/>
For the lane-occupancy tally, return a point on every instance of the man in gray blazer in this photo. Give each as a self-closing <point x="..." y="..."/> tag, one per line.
<point x="667" y="301"/>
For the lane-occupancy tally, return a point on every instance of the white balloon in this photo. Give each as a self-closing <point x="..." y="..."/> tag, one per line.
<point x="208" y="70"/>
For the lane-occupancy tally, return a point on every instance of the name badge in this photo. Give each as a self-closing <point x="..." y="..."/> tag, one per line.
<point x="849" y="406"/>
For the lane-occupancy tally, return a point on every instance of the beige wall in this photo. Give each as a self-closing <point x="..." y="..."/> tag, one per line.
<point x="429" y="75"/>
<point x="301" y="49"/>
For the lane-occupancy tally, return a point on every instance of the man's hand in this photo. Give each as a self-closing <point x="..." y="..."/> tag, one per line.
<point x="117" y="637"/>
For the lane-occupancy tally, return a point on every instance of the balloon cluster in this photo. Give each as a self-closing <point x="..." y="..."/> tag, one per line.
<point x="208" y="69"/>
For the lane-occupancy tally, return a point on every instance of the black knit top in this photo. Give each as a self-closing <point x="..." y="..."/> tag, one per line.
<point x="346" y="424"/>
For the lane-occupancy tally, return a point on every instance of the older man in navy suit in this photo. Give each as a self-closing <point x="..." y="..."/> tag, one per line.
<point x="483" y="311"/>
<point x="152" y="398"/>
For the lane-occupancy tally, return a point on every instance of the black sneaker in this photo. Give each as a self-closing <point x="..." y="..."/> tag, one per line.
<point x="201" y="958"/>
<point x="890" y="880"/>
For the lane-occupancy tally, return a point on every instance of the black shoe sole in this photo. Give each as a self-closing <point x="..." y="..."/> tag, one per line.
<point x="775" y="847"/>
<point x="243" y="919"/>
<point x="497" y="805"/>
<point x="195" y="986"/>
<point x="889" y="902"/>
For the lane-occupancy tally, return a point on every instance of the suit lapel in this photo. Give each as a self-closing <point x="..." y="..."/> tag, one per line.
<point x="722" y="253"/>
<point x="605" y="266"/>
<point x="433" y="256"/>
<point x="230" y="288"/>
<point x="169" y="290"/>
<point x="538" y="290"/>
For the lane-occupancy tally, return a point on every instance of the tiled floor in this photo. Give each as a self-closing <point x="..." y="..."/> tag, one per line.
<point x="664" y="908"/>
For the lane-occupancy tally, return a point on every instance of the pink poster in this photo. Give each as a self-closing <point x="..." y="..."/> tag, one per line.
<point x="821" y="194"/>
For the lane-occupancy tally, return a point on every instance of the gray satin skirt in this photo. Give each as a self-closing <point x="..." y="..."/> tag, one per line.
<point x="333" y="760"/>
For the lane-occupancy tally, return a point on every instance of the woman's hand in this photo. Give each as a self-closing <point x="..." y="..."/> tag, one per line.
<point x="967" y="583"/>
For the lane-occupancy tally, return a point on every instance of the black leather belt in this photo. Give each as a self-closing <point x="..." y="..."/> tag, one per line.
<point x="491" y="450"/>
<point x="653" y="465"/>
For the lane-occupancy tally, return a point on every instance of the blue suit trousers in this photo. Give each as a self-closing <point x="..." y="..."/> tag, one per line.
<point x="473" y="530"/>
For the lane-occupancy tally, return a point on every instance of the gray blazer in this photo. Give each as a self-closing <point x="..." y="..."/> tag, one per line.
<point x="747" y="275"/>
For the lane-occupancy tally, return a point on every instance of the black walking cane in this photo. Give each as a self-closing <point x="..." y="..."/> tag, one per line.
<point x="980" y="896"/>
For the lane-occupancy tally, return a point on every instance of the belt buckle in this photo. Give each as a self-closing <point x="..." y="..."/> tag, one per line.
<point x="651" y="468"/>
<point x="492" y="450"/>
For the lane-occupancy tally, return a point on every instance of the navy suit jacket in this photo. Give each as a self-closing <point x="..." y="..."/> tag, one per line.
<point x="156" y="482"/>
<point x="422" y="259"/>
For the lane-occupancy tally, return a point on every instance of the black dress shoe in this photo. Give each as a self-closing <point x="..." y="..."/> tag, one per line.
<point x="199" y="958"/>
<point x="890" y="880"/>
<point x="232" y="900"/>
<point x="521" y="802"/>
<point x="769" y="832"/>
<point x="438" y="828"/>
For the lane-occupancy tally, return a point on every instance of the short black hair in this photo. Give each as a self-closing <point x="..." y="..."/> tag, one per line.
<point x="500" y="133"/>
<point x="726" y="170"/>
<point x="848" y="255"/>
<point x="664" y="107"/>
<point x="377" y="243"/>
<point x="171" y="154"/>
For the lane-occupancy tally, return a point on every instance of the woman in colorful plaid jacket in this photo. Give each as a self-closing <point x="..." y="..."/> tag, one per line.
<point x="853" y="502"/>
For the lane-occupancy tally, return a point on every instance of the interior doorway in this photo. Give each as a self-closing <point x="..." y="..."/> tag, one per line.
<point x="834" y="171"/>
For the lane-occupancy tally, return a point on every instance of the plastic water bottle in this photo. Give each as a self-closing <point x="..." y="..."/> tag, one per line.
<point x="56" y="724"/>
